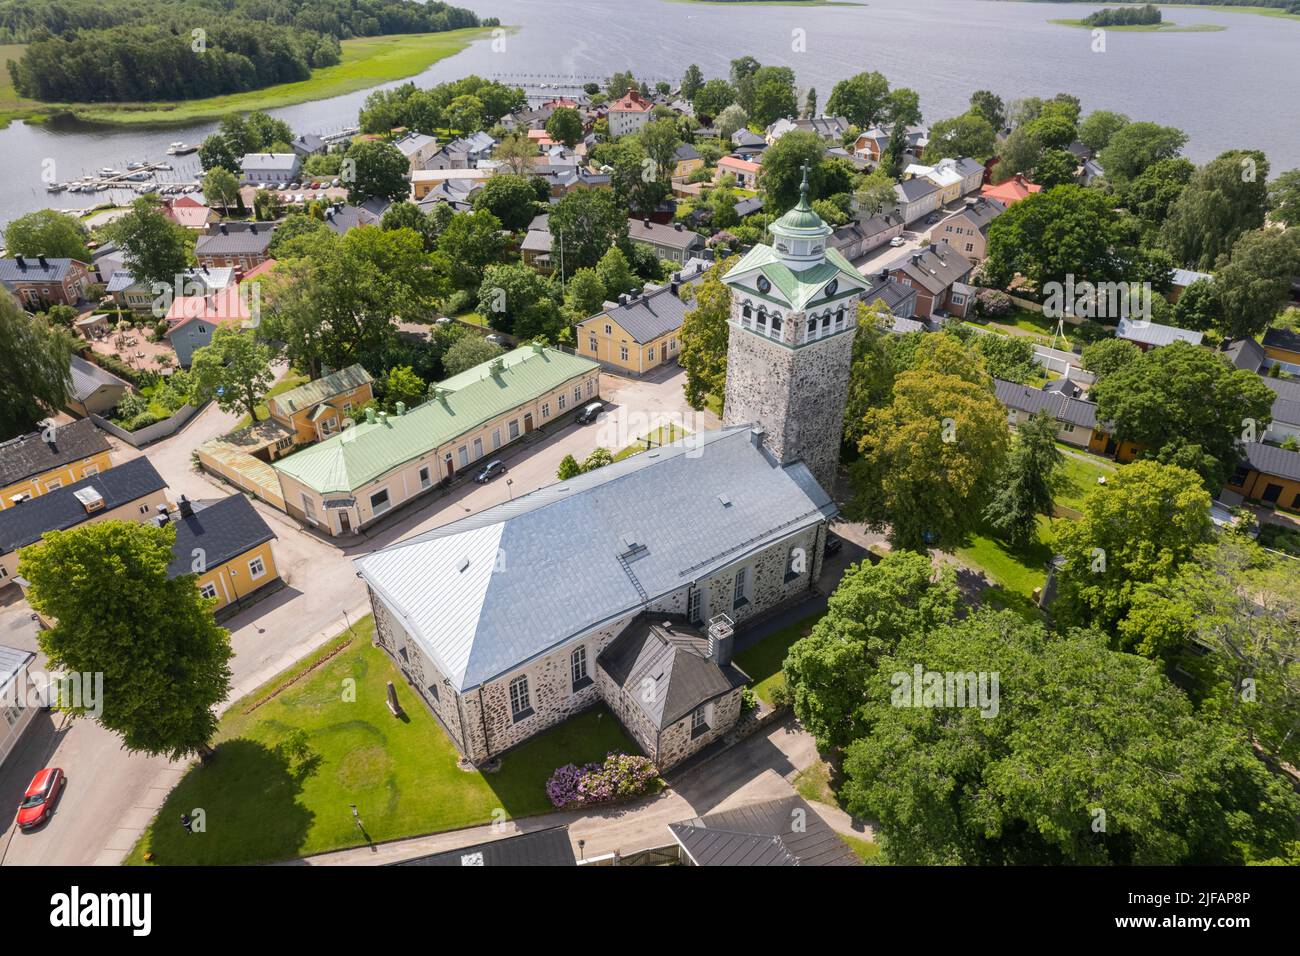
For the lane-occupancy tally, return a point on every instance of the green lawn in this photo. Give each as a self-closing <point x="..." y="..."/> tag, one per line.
<point x="762" y="661"/>
<point x="289" y="382"/>
<point x="867" y="851"/>
<point x="659" y="435"/>
<point x="1079" y="477"/>
<point x="1014" y="574"/>
<point x="265" y="801"/>
<point x="366" y="62"/>
<point x="1024" y="320"/>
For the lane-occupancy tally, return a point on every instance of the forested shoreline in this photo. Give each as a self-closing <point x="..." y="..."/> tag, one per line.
<point x="80" y="51"/>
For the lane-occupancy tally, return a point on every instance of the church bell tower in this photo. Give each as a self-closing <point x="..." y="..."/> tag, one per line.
<point x="790" y="344"/>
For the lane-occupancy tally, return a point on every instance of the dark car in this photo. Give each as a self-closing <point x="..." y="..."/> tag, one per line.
<point x="490" y="471"/>
<point x="589" y="413"/>
<point x="833" y="543"/>
<point x="38" y="801"/>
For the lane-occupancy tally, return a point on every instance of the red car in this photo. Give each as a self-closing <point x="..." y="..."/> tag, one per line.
<point x="38" y="801"/>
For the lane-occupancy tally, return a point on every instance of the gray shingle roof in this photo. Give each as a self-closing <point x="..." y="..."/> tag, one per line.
<point x="1245" y="353"/>
<point x="61" y="509"/>
<point x="1282" y="339"/>
<point x="1153" y="333"/>
<point x="234" y="242"/>
<point x="653" y="314"/>
<point x="224" y="529"/>
<point x="470" y="593"/>
<point x="88" y="378"/>
<point x="31" y="269"/>
<point x="1271" y="460"/>
<point x="666" y="653"/>
<point x="978" y="212"/>
<point x="784" y="832"/>
<point x="30" y="454"/>
<point x="1075" y="411"/>
<point x="933" y="270"/>
<point x="549" y="847"/>
<point x="674" y="237"/>
<point x="269" y="162"/>
<point x="910" y="190"/>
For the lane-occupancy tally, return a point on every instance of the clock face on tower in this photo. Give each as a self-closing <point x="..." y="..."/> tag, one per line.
<point x="763" y="285"/>
<point x="832" y="287"/>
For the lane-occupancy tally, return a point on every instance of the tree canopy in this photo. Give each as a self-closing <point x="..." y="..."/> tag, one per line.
<point x="35" y="378"/>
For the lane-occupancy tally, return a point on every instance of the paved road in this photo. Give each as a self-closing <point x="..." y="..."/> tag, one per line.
<point x="113" y="794"/>
<point x="757" y="769"/>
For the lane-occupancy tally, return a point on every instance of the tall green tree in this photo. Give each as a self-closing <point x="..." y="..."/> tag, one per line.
<point x="584" y="224"/>
<point x="338" y="300"/>
<point x="1086" y="756"/>
<point x="1254" y="283"/>
<point x="870" y="611"/>
<point x="990" y="106"/>
<point x="155" y="249"/>
<point x="468" y="351"/>
<point x="1185" y="404"/>
<point x="565" y="125"/>
<point x="234" y="369"/>
<point x="931" y="457"/>
<point x="1231" y="617"/>
<point x="47" y="233"/>
<point x="1098" y="127"/>
<point x="1224" y="199"/>
<point x="514" y="298"/>
<point x="861" y="99"/>
<point x="1137" y="528"/>
<point x="1135" y="146"/>
<point x="704" y="335"/>
<point x="692" y="80"/>
<point x="512" y="199"/>
<point x="1105" y="357"/>
<point x="35" y="378"/>
<point x="1026" y="490"/>
<point x="967" y="135"/>
<point x="221" y="187"/>
<point x="118" y="612"/>
<point x="1284" y="198"/>
<point x="471" y="242"/>
<point x="375" y="170"/>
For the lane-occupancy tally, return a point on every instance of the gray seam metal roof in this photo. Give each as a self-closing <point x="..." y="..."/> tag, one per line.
<point x="481" y="595"/>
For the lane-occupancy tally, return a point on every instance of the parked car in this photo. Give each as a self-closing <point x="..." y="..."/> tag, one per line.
<point x="833" y="543"/>
<point x="897" y="241"/>
<point x="932" y="218"/>
<point x="589" y="413"/>
<point x="38" y="801"/>
<point x="490" y="471"/>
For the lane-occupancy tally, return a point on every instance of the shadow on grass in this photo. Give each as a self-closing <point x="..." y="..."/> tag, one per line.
<point x="249" y="797"/>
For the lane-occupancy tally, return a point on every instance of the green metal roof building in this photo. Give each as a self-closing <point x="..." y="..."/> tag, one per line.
<point x="380" y="462"/>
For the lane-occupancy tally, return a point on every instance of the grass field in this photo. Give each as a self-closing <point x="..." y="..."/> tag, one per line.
<point x="286" y="773"/>
<point x="289" y="382"/>
<point x="1079" y="477"/>
<point x="1015" y="573"/>
<point x="367" y="62"/>
<point x="762" y="661"/>
<point x="660" y="436"/>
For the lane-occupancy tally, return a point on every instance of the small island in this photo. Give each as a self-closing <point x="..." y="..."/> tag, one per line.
<point x="1146" y="18"/>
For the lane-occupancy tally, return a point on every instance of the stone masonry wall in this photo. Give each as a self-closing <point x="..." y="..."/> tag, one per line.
<point x="676" y="743"/>
<point x="796" y="395"/>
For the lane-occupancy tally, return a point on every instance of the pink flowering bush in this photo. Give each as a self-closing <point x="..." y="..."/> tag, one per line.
<point x="620" y="777"/>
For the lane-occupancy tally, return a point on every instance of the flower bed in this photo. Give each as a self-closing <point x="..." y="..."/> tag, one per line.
<point x="620" y="777"/>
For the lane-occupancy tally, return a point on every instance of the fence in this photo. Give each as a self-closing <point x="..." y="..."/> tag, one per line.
<point x="668" y="855"/>
<point x="150" y="433"/>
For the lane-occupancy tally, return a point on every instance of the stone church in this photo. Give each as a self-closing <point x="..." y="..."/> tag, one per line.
<point x="629" y="585"/>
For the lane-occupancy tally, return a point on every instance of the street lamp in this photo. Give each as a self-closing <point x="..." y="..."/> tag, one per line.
<point x="510" y="488"/>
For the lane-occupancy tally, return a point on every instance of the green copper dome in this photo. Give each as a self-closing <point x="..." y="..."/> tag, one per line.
<point x="801" y="222"/>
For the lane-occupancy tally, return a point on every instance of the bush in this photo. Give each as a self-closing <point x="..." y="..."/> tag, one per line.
<point x="748" y="700"/>
<point x="620" y="777"/>
<point x="991" y="303"/>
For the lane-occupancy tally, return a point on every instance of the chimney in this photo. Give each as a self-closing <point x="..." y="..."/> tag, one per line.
<point x="756" y="436"/>
<point x="721" y="638"/>
<point x="41" y="260"/>
<point x="674" y="287"/>
<point x="186" y="507"/>
<point x="383" y="418"/>
<point x="224" y="230"/>
<point x="622" y="298"/>
<point x="678" y="227"/>
<point x="163" y="516"/>
<point x="253" y="228"/>
<point x="370" y="416"/>
<point x="934" y="248"/>
<point x="22" y="263"/>
<point x="646" y="223"/>
<point x="400" y="409"/>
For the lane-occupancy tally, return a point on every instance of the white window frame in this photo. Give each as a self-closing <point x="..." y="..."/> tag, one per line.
<point x="546" y="409"/>
<point x="207" y="590"/>
<point x="257" y="568"/>
<point x="578" y="664"/>
<point x="520" y="704"/>
<point x="513" y="429"/>
<point x="738" y="588"/>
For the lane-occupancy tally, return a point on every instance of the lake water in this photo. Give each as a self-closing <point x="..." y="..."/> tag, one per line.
<point x="1235" y="88"/>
